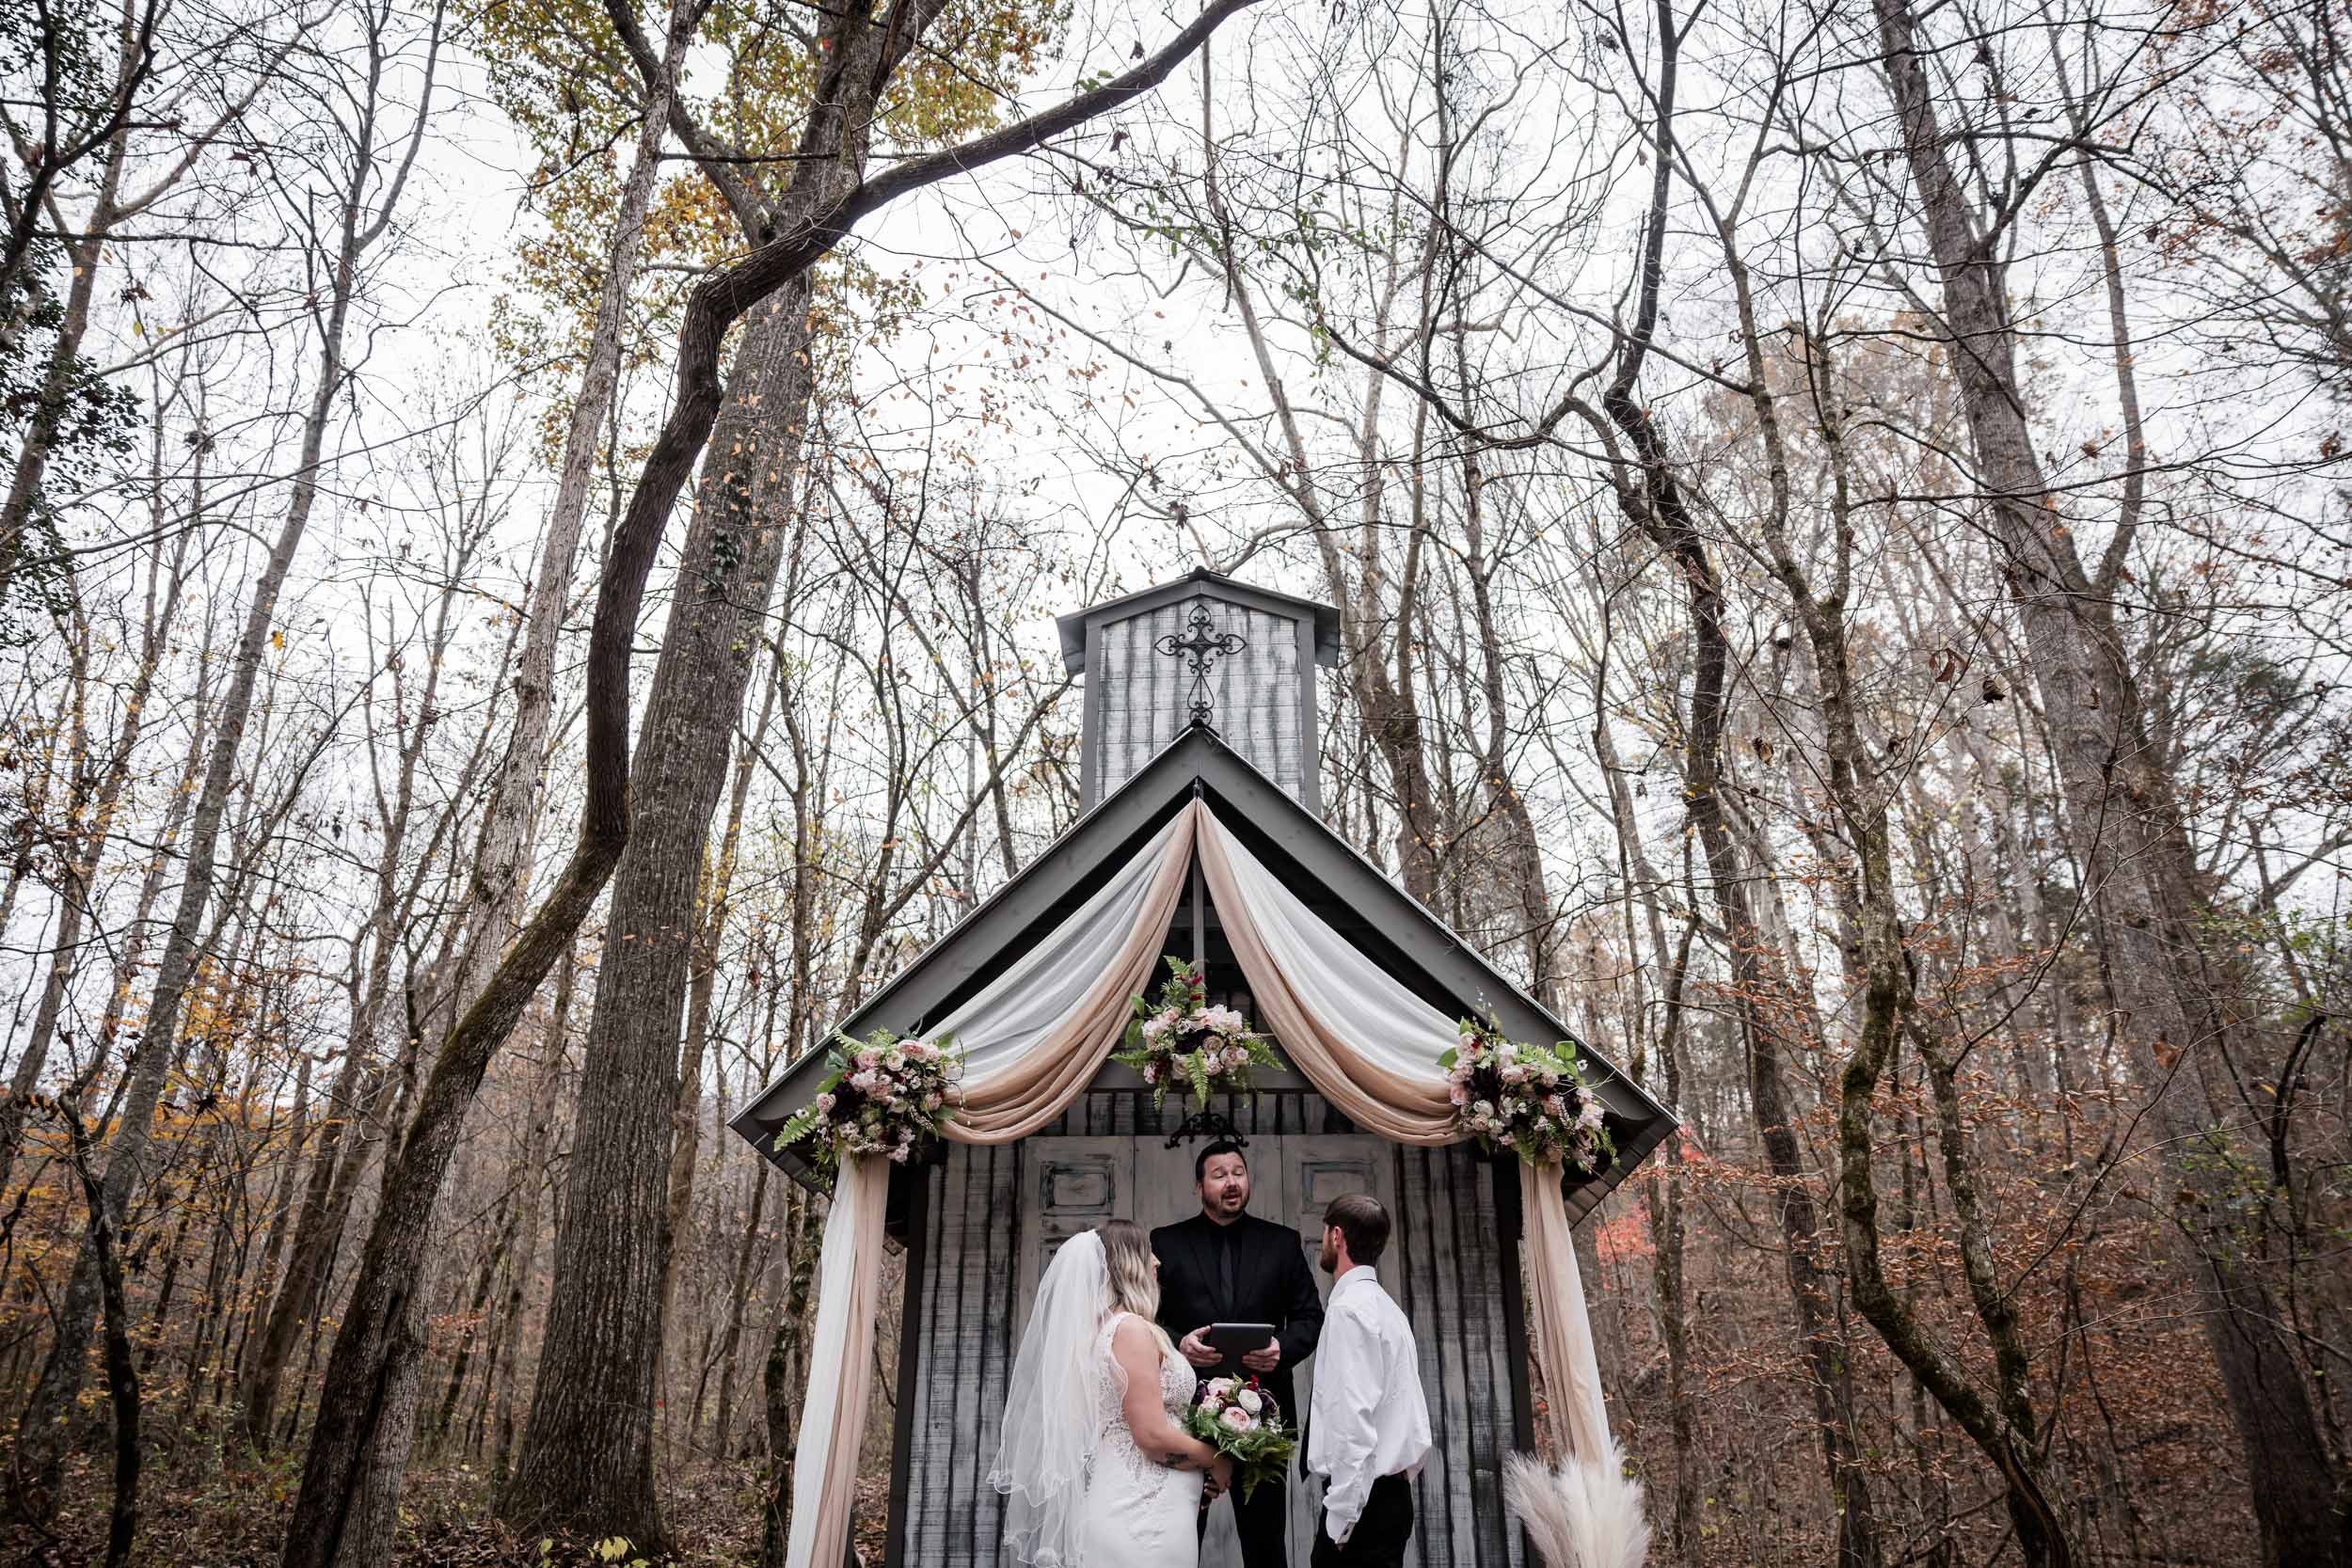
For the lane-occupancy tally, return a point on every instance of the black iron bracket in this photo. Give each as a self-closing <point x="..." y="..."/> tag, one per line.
<point x="1213" y="1125"/>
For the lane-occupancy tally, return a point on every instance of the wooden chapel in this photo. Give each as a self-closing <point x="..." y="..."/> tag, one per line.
<point x="978" y="1224"/>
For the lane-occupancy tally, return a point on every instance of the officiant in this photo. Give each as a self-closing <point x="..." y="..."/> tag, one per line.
<point x="1225" y="1265"/>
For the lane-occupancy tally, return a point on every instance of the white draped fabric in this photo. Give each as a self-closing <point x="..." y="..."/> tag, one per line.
<point x="1352" y="997"/>
<point x="832" y="1418"/>
<point x="1044" y="986"/>
<point x="1036" y="1034"/>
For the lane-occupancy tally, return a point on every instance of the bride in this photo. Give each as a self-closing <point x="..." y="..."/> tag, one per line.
<point x="1096" y="1471"/>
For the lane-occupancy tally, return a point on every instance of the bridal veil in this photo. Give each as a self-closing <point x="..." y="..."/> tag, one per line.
<point x="1050" y="1407"/>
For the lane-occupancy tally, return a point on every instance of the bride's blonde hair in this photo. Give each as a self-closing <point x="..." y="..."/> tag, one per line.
<point x="1127" y="1257"/>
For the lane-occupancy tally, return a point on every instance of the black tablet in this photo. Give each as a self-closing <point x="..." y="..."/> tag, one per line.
<point x="1235" y="1340"/>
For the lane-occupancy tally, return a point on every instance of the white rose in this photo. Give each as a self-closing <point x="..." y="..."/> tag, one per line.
<point x="1247" y="1399"/>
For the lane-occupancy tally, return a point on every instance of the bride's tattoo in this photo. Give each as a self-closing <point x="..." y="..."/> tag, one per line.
<point x="1175" y="1459"/>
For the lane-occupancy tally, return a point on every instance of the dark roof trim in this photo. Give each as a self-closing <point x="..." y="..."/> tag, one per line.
<point x="1072" y="627"/>
<point x="1293" y="843"/>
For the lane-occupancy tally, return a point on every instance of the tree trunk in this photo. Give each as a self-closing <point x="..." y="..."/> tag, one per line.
<point x="1652" y="499"/>
<point x="711" y="929"/>
<point x="502" y="855"/>
<point x="803" y="1227"/>
<point x="536" y="1151"/>
<point x="586" y="1459"/>
<point x="476" y="1321"/>
<point x="739" y="1297"/>
<point x="2131" y="845"/>
<point x="280" y="1203"/>
<point x="80" y="868"/>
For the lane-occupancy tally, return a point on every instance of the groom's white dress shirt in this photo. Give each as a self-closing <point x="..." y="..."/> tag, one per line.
<point x="1368" y="1418"/>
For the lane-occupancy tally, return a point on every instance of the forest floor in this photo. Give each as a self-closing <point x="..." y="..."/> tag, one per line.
<point x="199" y="1509"/>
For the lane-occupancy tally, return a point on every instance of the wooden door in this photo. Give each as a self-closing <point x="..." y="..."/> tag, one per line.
<point x="1073" y="1185"/>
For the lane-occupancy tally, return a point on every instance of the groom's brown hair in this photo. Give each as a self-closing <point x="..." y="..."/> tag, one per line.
<point x="1364" y="1222"/>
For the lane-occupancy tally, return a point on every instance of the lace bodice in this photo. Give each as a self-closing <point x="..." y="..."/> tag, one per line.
<point x="1115" y="1443"/>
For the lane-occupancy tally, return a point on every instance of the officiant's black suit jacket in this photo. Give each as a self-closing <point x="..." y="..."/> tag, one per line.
<point x="1272" y="1284"/>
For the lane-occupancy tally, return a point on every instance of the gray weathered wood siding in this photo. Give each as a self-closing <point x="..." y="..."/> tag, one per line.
<point x="981" y="1218"/>
<point x="1141" y="698"/>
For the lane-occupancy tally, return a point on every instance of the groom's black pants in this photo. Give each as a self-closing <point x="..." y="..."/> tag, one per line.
<point x="1381" y="1534"/>
<point x="1262" y="1523"/>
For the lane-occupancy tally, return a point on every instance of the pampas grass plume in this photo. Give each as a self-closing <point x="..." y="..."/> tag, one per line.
<point x="1581" y="1515"/>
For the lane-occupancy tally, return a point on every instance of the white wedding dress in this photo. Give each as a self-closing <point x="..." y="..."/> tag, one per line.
<point x="1077" y="1491"/>
<point x="1138" y="1513"/>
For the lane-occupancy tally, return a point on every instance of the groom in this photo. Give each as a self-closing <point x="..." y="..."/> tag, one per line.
<point x="1225" y="1265"/>
<point x="1369" y="1431"/>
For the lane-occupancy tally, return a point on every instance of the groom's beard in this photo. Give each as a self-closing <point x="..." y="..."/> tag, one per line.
<point x="1330" y="1258"/>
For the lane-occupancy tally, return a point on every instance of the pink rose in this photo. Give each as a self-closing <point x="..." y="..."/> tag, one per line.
<point x="1239" y="1419"/>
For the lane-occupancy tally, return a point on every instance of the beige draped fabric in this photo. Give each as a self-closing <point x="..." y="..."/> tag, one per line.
<point x="1564" y="1334"/>
<point x="1382" y="1095"/>
<point x="1034" y="1087"/>
<point x="1366" y="1044"/>
<point x="833" y="1418"/>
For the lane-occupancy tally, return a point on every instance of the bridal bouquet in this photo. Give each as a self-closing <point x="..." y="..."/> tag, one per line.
<point x="885" y="1095"/>
<point x="1177" y="1041"/>
<point x="1240" y="1420"/>
<point x="1529" y="1099"/>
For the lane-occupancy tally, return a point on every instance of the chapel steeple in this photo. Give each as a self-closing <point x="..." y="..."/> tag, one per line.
<point x="1203" y="648"/>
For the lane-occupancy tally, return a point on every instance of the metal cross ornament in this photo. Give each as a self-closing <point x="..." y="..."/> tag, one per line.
<point x="1204" y="644"/>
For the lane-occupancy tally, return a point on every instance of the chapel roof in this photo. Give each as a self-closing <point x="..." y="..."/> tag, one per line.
<point x="1072" y="627"/>
<point x="1351" y="894"/>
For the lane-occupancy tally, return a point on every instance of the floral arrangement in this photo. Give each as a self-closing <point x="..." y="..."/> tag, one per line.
<point x="885" y="1095"/>
<point x="1240" y="1420"/>
<point x="1177" y="1041"/>
<point x="1532" y="1099"/>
